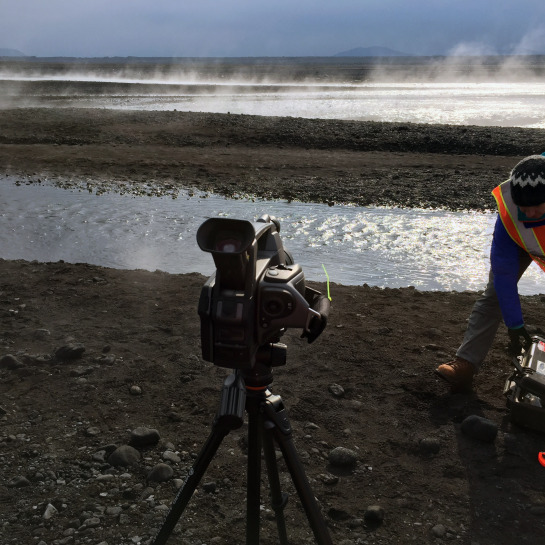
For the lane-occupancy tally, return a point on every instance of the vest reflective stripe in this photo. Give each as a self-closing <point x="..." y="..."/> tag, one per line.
<point x="531" y="240"/>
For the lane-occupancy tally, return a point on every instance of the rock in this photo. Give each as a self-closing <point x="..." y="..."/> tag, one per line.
<point x="209" y="487"/>
<point x="161" y="473"/>
<point x="125" y="455"/>
<point x="10" y="362"/>
<point x="92" y="522"/>
<point x="42" y="334"/>
<point x="429" y="446"/>
<point x="108" y="359"/>
<point x="480" y="428"/>
<point x="328" y="479"/>
<point x="50" y="511"/>
<point x="343" y="457"/>
<point x="113" y="511"/>
<point x="69" y="352"/>
<point x="170" y="456"/>
<point x="81" y="371"/>
<point x="374" y="513"/>
<point x="18" y="482"/>
<point x="439" y="530"/>
<point x="337" y="390"/>
<point x="135" y="390"/>
<point x="143" y="437"/>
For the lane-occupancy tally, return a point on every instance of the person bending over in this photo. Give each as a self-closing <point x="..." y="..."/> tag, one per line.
<point x="519" y="238"/>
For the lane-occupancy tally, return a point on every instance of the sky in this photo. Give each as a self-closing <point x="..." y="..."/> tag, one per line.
<point x="279" y="28"/>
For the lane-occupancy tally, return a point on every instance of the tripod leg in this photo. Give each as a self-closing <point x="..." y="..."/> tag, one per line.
<point x="253" y="486"/>
<point x="278" y="499"/>
<point x="276" y="413"/>
<point x="186" y="491"/>
<point x="230" y="416"/>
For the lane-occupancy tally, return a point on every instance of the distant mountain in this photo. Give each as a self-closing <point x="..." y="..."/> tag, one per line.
<point x="371" y="52"/>
<point x="5" y="52"/>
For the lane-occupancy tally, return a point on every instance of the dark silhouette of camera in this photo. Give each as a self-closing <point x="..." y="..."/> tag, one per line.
<point x="256" y="293"/>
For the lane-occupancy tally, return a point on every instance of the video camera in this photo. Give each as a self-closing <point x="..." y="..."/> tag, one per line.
<point x="525" y="388"/>
<point x="256" y="293"/>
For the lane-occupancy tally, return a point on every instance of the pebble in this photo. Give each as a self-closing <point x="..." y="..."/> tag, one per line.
<point x="108" y="359"/>
<point x="170" y="456"/>
<point x="92" y="522"/>
<point x="42" y="334"/>
<point x="337" y="390"/>
<point x="209" y="487"/>
<point x="143" y="437"/>
<point x="70" y="351"/>
<point x="50" y="511"/>
<point x="18" y="482"/>
<point x="328" y="479"/>
<point x="10" y="362"/>
<point x="343" y="457"/>
<point x="374" y="513"/>
<point x="429" y="445"/>
<point x="125" y="455"/>
<point x="161" y="473"/>
<point x="113" y="511"/>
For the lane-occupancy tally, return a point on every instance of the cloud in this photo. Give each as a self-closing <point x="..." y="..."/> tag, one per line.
<point x="250" y="28"/>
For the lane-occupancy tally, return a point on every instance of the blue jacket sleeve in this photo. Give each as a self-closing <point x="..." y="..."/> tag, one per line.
<point x="504" y="259"/>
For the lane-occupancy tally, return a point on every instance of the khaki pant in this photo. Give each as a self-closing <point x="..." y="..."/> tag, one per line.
<point x="485" y="319"/>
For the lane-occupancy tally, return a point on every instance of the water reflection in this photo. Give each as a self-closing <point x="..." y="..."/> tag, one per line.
<point x="497" y="103"/>
<point x="432" y="250"/>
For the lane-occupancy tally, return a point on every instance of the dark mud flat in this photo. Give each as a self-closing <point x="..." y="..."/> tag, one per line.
<point x="366" y="163"/>
<point x="136" y="356"/>
<point x="138" y="364"/>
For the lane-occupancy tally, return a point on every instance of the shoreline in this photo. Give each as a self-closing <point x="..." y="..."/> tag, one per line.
<point x="327" y="161"/>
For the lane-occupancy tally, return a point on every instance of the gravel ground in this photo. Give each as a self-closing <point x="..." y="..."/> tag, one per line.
<point x="105" y="399"/>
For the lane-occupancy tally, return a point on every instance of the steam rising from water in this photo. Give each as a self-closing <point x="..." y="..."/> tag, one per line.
<point x="472" y="90"/>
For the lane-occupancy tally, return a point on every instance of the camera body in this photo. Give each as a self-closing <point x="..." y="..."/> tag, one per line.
<point x="525" y="388"/>
<point x="254" y="295"/>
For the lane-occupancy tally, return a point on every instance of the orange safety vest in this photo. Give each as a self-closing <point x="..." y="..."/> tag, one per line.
<point x="531" y="239"/>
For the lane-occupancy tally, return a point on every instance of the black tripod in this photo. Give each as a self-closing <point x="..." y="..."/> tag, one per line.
<point x="267" y="420"/>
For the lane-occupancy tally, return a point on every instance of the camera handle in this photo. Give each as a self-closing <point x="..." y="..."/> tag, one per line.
<point x="267" y="422"/>
<point x="320" y="304"/>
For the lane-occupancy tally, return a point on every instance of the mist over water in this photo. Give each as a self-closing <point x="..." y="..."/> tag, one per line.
<point x="461" y="91"/>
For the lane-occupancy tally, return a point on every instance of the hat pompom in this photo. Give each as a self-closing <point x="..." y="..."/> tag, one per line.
<point x="528" y="181"/>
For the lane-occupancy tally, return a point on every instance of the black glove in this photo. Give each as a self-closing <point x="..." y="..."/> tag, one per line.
<point x="519" y="340"/>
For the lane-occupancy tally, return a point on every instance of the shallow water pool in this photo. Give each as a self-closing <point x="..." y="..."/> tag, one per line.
<point x="428" y="249"/>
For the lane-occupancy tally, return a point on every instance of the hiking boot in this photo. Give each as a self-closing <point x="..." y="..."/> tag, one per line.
<point x="458" y="373"/>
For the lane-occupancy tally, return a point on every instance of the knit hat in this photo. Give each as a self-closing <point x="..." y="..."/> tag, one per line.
<point x="528" y="181"/>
